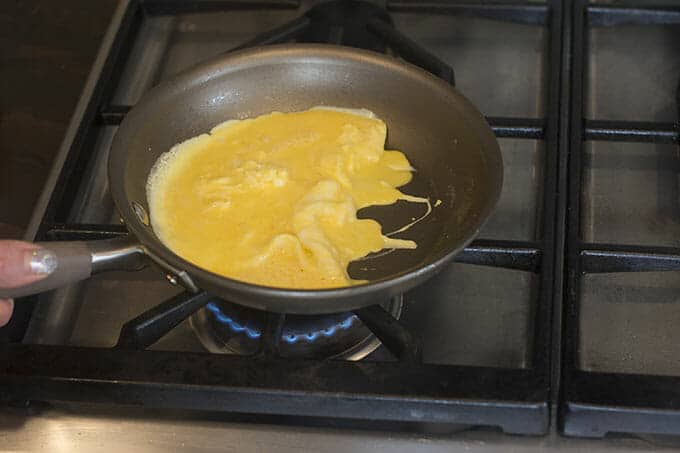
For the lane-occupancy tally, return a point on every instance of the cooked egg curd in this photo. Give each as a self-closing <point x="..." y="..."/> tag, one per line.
<point x="273" y="200"/>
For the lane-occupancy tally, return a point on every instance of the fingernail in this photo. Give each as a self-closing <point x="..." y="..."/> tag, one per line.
<point x="42" y="261"/>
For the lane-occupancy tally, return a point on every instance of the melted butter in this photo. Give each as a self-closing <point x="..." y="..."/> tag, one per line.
<point x="273" y="200"/>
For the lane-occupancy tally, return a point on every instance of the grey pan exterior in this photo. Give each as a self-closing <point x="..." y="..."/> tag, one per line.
<point x="447" y="140"/>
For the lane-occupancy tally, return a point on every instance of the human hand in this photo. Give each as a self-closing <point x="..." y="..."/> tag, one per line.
<point x="21" y="263"/>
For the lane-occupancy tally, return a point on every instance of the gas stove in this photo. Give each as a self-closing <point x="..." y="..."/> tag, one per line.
<point x="559" y="322"/>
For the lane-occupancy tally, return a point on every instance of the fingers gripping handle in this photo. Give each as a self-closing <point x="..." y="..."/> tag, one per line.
<point x="75" y="261"/>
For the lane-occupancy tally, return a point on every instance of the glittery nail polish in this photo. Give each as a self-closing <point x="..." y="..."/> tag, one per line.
<point x="42" y="261"/>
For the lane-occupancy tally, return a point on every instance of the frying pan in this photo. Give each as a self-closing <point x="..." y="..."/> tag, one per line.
<point x="452" y="148"/>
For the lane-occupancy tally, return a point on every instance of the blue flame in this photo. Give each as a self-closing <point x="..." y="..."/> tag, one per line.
<point x="290" y="338"/>
<point x="233" y="325"/>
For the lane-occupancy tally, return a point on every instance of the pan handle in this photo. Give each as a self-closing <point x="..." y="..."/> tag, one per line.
<point x="77" y="260"/>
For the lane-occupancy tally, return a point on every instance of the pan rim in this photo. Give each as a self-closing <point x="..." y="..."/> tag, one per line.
<point x="236" y="61"/>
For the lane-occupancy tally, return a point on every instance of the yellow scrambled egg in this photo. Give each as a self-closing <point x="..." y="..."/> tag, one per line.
<point x="273" y="200"/>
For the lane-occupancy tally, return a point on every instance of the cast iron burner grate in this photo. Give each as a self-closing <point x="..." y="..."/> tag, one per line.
<point x="406" y="390"/>
<point x="594" y="404"/>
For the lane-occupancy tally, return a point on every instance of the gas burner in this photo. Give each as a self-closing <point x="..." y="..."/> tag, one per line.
<point x="224" y="327"/>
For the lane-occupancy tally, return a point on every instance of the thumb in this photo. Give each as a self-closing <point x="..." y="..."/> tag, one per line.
<point x="6" y="308"/>
<point x="22" y="263"/>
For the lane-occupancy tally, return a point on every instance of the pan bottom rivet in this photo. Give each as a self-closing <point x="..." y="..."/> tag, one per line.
<point x="171" y="279"/>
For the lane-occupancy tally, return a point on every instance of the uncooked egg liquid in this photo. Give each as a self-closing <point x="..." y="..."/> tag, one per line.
<point x="272" y="200"/>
